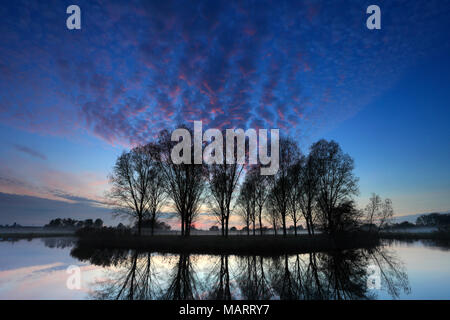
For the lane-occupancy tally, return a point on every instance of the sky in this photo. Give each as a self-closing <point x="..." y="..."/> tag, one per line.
<point x="72" y="100"/>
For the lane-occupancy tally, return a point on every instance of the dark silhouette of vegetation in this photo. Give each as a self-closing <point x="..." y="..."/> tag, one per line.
<point x="185" y="183"/>
<point x="260" y="189"/>
<point x="280" y="183"/>
<point x="70" y="223"/>
<point x="154" y="224"/>
<point x="247" y="204"/>
<point x="264" y="245"/>
<point x="223" y="182"/>
<point x="317" y="190"/>
<point x="337" y="184"/>
<point x="379" y="213"/>
<point x="136" y="184"/>
<point x="439" y="220"/>
<point x="331" y="275"/>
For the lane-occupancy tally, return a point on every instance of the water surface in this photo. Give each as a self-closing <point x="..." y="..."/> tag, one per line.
<point x="37" y="269"/>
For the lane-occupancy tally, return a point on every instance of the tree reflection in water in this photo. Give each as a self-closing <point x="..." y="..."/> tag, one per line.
<point x="183" y="283"/>
<point x="219" y="278"/>
<point x="315" y="276"/>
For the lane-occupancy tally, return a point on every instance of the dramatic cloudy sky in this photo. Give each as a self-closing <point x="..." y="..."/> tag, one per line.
<point x="72" y="100"/>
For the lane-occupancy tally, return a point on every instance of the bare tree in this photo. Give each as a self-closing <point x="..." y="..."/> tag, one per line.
<point x="294" y="204"/>
<point x="371" y="210"/>
<point x="132" y="184"/>
<point x="246" y="204"/>
<point x="272" y="215"/>
<point x="337" y="183"/>
<point x="260" y="185"/>
<point x="378" y="212"/>
<point x="185" y="183"/>
<point x="386" y="214"/>
<point x="157" y="194"/>
<point x="223" y="181"/>
<point x="308" y="190"/>
<point x="281" y="188"/>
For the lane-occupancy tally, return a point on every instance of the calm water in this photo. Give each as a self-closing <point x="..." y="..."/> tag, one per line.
<point x="37" y="269"/>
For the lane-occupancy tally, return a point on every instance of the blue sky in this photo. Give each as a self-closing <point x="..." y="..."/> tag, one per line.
<point x="401" y="140"/>
<point x="71" y="101"/>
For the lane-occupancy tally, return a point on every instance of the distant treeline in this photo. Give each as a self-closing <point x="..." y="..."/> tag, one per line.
<point x="159" y="225"/>
<point x="316" y="189"/>
<point x="436" y="220"/>
<point x="14" y="225"/>
<point x="97" y="223"/>
<point x="74" y="224"/>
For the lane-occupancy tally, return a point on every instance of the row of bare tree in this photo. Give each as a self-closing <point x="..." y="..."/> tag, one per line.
<point x="317" y="188"/>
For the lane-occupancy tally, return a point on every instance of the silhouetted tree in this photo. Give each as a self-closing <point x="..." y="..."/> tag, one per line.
<point x="260" y="186"/>
<point x="156" y="190"/>
<point x="346" y="217"/>
<point x="294" y="205"/>
<point x="272" y="215"/>
<point x="440" y="220"/>
<point x="337" y="183"/>
<point x="246" y="204"/>
<point x="98" y="223"/>
<point x="378" y="212"/>
<point x="308" y="190"/>
<point x="280" y="183"/>
<point x="223" y="181"/>
<point x="132" y="183"/>
<point x="185" y="182"/>
<point x="88" y="223"/>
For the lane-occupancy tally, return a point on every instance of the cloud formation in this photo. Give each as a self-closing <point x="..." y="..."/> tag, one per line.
<point x="138" y="66"/>
<point x="30" y="151"/>
<point x="36" y="211"/>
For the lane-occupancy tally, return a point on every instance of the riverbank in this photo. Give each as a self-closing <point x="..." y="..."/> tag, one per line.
<point x="262" y="245"/>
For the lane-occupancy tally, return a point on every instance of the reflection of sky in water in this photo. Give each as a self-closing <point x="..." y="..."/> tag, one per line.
<point x="32" y="270"/>
<point x="428" y="270"/>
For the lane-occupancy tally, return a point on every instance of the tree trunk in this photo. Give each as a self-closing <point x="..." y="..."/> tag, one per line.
<point x="139" y="224"/>
<point x="182" y="225"/>
<point x="260" y="221"/>
<point x="308" y="226"/>
<point x="295" y="224"/>
<point x="153" y="223"/>
<point x="187" y="227"/>
<point x="226" y="226"/>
